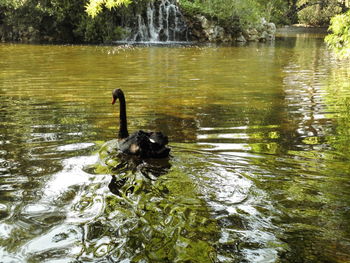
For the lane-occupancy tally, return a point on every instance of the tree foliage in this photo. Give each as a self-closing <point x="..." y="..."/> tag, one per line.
<point x="243" y="13"/>
<point x="102" y="20"/>
<point x="56" y="21"/>
<point x="94" y="7"/>
<point x="339" y="39"/>
<point x="39" y="18"/>
<point x="317" y="12"/>
<point x="226" y="11"/>
<point x="248" y="11"/>
<point x="273" y="10"/>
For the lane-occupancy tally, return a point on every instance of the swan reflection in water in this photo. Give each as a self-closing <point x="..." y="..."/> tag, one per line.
<point x="123" y="174"/>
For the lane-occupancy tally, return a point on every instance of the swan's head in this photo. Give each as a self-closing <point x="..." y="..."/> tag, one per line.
<point x="117" y="94"/>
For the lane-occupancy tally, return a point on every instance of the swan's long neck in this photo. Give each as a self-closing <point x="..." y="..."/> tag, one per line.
<point x="123" y="126"/>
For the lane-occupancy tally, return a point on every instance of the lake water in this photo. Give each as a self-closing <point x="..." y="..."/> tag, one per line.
<point x="259" y="168"/>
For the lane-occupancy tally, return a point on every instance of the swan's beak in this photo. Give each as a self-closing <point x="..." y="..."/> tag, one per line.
<point x="113" y="101"/>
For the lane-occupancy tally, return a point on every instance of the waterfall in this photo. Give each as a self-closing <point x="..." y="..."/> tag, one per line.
<point x="161" y="21"/>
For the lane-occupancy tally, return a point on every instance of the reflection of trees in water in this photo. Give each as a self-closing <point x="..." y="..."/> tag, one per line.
<point x="305" y="109"/>
<point x="23" y="143"/>
<point x="153" y="215"/>
<point x="31" y="132"/>
<point x="311" y="102"/>
<point x="338" y="105"/>
<point x="307" y="177"/>
<point x="303" y="118"/>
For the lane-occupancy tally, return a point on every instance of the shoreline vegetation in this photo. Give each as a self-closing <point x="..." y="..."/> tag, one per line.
<point x="104" y="22"/>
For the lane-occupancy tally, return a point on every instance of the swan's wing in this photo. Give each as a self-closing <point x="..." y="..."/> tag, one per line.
<point x="159" y="138"/>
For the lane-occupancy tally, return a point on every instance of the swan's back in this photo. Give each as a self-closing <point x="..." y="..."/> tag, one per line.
<point x="145" y="145"/>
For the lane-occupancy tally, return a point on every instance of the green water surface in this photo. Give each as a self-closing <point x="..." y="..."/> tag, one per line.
<point x="259" y="168"/>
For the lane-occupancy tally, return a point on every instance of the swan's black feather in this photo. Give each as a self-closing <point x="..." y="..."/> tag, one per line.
<point x="140" y="143"/>
<point x="145" y="144"/>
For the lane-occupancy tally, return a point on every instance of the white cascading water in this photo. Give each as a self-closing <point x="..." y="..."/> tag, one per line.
<point x="162" y="21"/>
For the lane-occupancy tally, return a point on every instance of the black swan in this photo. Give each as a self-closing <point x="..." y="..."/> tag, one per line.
<point x="140" y="143"/>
